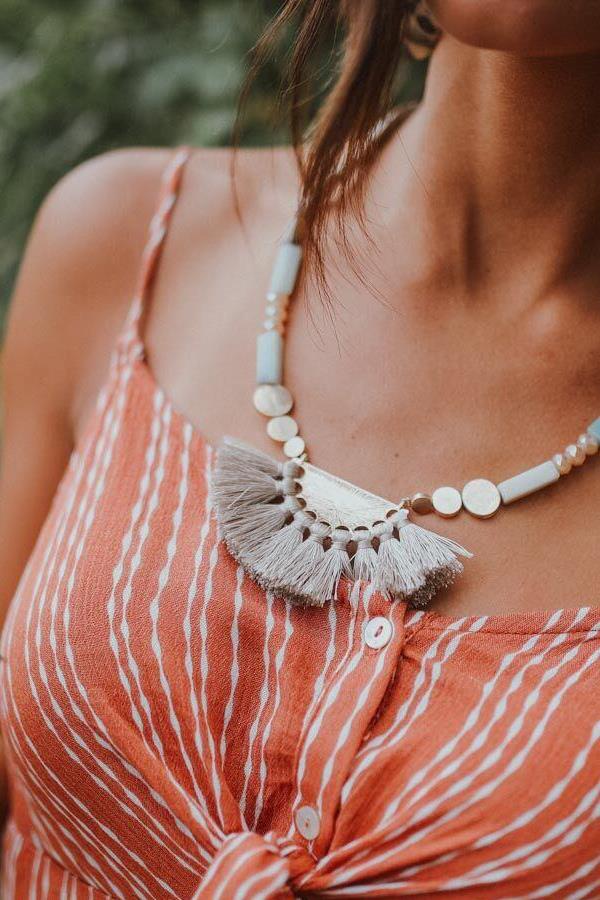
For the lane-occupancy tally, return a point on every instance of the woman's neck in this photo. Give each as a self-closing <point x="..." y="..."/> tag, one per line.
<point x="506" y="152"/>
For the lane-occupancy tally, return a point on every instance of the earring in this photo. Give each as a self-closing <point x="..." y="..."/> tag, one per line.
<point x="421" y="32"/>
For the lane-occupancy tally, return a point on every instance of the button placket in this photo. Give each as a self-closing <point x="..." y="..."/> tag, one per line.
<point x="359" y="689"/>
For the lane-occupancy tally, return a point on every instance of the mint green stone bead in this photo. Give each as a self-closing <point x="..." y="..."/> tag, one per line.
<point x="594" y="429"/>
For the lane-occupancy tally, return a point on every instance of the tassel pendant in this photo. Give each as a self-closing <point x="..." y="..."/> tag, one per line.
<point x="298" y="531"/>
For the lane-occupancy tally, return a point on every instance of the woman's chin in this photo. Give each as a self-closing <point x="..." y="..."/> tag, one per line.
<point x="525" y="27"/>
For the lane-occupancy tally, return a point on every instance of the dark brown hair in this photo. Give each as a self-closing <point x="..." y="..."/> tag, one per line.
<point x="336" y="149"/>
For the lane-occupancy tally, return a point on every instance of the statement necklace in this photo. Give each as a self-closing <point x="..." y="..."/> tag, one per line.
<point x="298" y="530"/>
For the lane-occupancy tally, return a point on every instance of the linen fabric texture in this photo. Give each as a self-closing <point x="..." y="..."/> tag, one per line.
<point x="168" y="724"/>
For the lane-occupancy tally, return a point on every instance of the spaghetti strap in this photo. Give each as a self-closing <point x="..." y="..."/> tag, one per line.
<point x="130" y="343"/>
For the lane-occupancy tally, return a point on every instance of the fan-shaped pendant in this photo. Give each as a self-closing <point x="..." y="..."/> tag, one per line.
<point x="297" y="531"/>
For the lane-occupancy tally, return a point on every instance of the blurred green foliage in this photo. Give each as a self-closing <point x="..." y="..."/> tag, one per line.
<point x="79" y="77"/>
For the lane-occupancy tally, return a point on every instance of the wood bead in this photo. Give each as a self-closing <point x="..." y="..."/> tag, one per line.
<point x="576" y="454"/>
<point x="562" y="463"/>
<point x="421" y="504"/>
<point x="588" y="443"/>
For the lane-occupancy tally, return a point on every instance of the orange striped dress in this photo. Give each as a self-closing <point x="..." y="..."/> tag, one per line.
<point x="174" y="732"/>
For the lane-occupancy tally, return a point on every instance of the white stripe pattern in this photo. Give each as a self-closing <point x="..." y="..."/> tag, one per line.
<point x="174" y="732"/>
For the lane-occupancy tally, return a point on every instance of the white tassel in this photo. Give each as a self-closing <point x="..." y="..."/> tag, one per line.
<point x="432" y="559"/>
<point x="244" y="477"/>
<point x="259" y="507"/>
<point x="364" y="561"/>
<point x="396" y="574"/>
<point x="273" y="560"/>
<point x="246" y="533"/>
<point x="325" y="577"/>
<point x="306" y="562"/>
<point x="236" y="458"/>
<point x="245" y="485"/>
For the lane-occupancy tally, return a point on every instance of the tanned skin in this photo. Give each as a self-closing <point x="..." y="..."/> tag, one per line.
<point x="475" y="352"/>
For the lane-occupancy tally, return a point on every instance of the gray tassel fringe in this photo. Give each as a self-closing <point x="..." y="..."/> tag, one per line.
<point x="288" y="550"/>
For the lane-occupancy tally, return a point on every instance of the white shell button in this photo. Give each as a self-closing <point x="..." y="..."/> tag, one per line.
<point x="308" y="822"/>
<point x="377" y="632"/>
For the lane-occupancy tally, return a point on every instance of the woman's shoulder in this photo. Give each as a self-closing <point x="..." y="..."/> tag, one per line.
<point x="93" y="225"/>
<point x="91" y="229"/>
<point x="84" y="252"/>
<point x="87" y="234"/>
<point x="76" y="273"/>
<point x="89" y="239"/>
<point x="118" y="189"/>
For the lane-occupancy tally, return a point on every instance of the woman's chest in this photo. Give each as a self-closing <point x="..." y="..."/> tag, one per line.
<point x="428" y="749"/>
<point x="433" y="753"/>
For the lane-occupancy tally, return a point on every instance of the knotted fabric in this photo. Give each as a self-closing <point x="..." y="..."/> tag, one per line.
<point x="248" y="865"/>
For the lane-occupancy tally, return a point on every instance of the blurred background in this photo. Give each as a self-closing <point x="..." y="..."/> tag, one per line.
<point x="79" y="77"/>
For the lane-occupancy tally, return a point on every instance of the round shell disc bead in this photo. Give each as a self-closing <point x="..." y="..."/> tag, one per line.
<point x="481" y="498"/>
<point x="447" y="502"/>
<point x="294" y="447"/>
<point x="273" y="400"/>
<point x="282" y="428"/>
